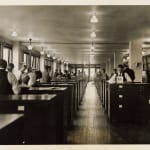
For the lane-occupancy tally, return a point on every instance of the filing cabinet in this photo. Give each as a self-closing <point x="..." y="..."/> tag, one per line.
<point x="128" y="102"/>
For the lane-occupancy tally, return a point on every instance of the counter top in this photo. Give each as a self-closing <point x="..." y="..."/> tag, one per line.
<point x="48" y="88"/>
<point x="6" y="119"/>
<point x="28" y="97"/>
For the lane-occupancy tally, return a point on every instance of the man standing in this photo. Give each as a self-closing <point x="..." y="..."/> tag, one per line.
<point x="8" y="82"/>
<point x="129" y="71"/>
<point x="21" y="75"/>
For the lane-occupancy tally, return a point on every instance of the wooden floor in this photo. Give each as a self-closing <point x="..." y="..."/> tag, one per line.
<point x="92" y="127"/>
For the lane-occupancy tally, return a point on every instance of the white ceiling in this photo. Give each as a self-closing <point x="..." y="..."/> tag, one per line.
<point x="65" y="30"/>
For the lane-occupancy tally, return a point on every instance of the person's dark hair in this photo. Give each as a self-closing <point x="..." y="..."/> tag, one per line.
<point x="125" y="65"/>
<point x="115" y="70"/>
<point x="11" y="65"/>
<point x="29" y="69"/>
<point x="38" y="74"/>
<point x="120" y="66"/>
<point x="46" y="67"/>
<point x="104" y="70"/>
<point x="3" y="63"/>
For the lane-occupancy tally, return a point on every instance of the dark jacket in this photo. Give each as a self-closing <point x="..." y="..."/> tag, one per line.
<point x="131" y="73"/>
<point x="5" y="86"/>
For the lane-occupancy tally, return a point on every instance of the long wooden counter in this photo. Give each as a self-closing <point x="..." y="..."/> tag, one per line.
<point x="62" y="105"/>
<point x="11" y="128"/>
<point x="71" y="98"/>
<point x="43" y="123"/>
<point x="48" y="110"/>
<point x="126" y="102"/>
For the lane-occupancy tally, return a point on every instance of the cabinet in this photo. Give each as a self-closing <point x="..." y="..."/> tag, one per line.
<point x="128" y="102"/>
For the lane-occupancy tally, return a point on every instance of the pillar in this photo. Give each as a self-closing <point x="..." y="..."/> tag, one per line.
<point x="118" y="58"/>
<point x="42" y="64"/>
<point x="54" y="65"/>
<point x="62" y="67"/>
<point x="108" y="66"/>
<point x="67" y="66"/>
<point x="135" y="61"/>
<point x="17" y="55"/>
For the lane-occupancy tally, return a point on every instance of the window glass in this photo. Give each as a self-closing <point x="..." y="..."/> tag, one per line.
<point x="7" y="54"/>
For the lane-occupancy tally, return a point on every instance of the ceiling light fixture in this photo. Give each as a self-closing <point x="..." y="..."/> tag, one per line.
<point x="30" y="46"/>
<point x="92" y="46"/>
<point x="48" y="55"/>
<point x="14" y="34"/>
<point x="42" y="52"/>
<point x="143" y="53"/>
<point x="93" y="35"/>
<point x="94" y="19"/>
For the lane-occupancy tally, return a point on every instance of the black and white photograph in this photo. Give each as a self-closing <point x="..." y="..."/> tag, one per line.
<point x="74" y="75"/>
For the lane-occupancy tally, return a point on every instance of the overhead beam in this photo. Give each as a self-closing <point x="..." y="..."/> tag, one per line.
<point x="81" y="43"/>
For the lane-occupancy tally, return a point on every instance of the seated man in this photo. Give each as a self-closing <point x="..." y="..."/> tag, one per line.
<point x="8" y="81"/>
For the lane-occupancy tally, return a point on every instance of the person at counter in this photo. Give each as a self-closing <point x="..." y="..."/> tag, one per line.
<point x="8" y="81"/>
<point x="114" y="72"/>
<point x="21" y="74"/>
<point x="129" y="71"/>
<point x="104" y="75"/>
<point x="120" y="76"/>
<point x="32" y="77"/>
<point x="38" y="75"/>
<point x="67" y="75"/>
<point x="45" y="75"/>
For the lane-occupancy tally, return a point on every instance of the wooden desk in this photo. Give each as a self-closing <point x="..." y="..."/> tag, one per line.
<point x="128" y="102"/>
<point x="71" y="98"/>
<point x="41" y="116"/>
<point x="61" y="106"/>
<point x="77" y="88"/>
<point x="11" y="128"/>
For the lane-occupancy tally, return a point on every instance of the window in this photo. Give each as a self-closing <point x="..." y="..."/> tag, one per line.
<point x="25" y="58"/>
<point x="35" y="62"/>
<point x="7" y="54"/>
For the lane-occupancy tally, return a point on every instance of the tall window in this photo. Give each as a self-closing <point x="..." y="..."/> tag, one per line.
<point x="7" y="54"/>
<point x="38" y="63"/>
<point x="35" y="62"/>
<point x="25" y="58"/>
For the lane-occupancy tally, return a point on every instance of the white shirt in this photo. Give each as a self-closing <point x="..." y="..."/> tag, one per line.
<point x="32" y="79"/>
<point x="14" y="82"/>
<point x="113" y="78"/>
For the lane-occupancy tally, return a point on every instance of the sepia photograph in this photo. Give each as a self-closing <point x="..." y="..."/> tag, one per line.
<point x="74" y="75"/>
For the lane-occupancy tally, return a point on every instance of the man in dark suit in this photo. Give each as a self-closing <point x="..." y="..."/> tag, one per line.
<point x="129" y="71"/>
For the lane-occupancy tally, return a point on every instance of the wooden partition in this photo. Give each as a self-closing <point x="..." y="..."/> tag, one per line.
<point x="11" y="127"/>
<point x="42" y="121"/>
<point x="125" y="102"/>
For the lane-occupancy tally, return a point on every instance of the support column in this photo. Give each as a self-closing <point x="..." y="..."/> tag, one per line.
<point x="42" y="63"/>
<point x="54" y="65"/>
<point x="89" y="73"/>
<point x="118" y="58"/>
<point x="67" y="66"/>
<point x="135" y="61"/>
<point x="17" y="55"/>
<point x="108" y="66"/>
<point x="62" y="67"/>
